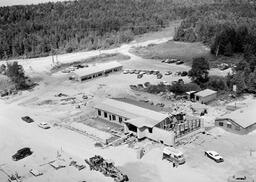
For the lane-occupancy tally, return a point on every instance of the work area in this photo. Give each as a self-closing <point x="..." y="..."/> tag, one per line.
<point x="99" y="122"/>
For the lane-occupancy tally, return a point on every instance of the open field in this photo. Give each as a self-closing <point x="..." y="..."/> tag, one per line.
<point x="45" y="104"/>
<point x="173" y="49"/>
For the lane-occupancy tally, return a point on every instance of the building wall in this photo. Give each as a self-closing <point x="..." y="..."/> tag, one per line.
<point x="252" y="127"/>
<point x="162" y="136"/>
<point x="188" y="126"/>
<point x="111" y="117"/>
<point x="207" y="99"/>
<point x="95" y="75"/>
<point x="231" y="126"/>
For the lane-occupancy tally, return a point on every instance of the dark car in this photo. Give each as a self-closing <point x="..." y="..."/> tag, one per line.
<point x="139" y="76"/>
<point x="22" y="153"/>
<point x="184" y="73"/>
<point x="159" y="76"/>
<point x="27" y="119"/>
<point x="179" y="62"/>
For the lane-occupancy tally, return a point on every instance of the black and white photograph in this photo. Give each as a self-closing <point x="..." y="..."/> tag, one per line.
<point x="127" y="90"/>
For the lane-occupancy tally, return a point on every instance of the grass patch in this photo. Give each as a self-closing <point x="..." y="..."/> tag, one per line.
<point x="172" y="49"/>
<point x="224" y="59"/>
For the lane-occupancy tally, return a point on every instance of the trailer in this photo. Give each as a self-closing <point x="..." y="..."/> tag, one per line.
<point x="173" y="155"/>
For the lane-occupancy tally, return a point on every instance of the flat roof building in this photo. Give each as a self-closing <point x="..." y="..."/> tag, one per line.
<point x="241" y="121"/>
<point x="205" y="96"/>
<point x="97" y="70"/>
<point x="146" y="123"/>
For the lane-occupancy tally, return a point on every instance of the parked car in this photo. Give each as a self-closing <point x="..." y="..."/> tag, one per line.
<point x="240" y="178"/>
<point x="184" y="73"/>
<point x="137" y="71"/>
<point x="173" y="60"/>
<point x="179" y="62"/>
<point x="65" y="71"/>
<point x="133" y="87"/>
<point x="125" y="71"/>
<point x="44" y="125"/>
<point x="168" y="73"/>
<point x="27" y="119"/>
<point x="159" y="76"/>
<point x="22" y="153"/>
<point x="132" y="71"/>
<point x="155" y="72"/>
<point x="142" y="72"/>
<point x="139" y="76"/>
<point x="223" y="66"/>
<point x="214" y="156"/>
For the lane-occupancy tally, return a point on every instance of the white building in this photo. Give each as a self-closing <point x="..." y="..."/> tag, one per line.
<point x="97" y="70"/>
<point x="146" y="123"/>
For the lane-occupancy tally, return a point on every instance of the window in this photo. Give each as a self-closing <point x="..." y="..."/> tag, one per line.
<point x="120" y="119"/>
<point x="220" y="123"/>
<point x="99" y="112"/>
<point x="150" y="130"/>
<point x="105" y="114"/>
<point x="109" y="117"/>
<point x="229" y="125"/>
<point x="113" y="117"/>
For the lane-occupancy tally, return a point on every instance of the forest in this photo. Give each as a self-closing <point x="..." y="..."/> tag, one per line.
<point x="229" y="29"/>
<point x="45" y="29"/>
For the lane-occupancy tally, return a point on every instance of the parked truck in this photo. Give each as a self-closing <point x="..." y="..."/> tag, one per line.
<point x="173" y="155"/>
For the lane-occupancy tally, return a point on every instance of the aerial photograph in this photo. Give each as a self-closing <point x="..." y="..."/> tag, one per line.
<point x="127" y="90"/>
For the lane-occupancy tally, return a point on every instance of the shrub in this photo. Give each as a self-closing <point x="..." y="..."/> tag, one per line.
<point x="218" y="83"/>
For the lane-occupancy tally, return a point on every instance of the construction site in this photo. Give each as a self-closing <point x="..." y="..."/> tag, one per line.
<point x="89" y="125"/>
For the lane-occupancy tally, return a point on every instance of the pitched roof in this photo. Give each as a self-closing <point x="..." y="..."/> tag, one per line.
<point x="244" y="117"/>
<point x="140" y="122"/>
<point x="205" y="93"/>
<point x="130" y="111"/>
<point x="101" y="67"/>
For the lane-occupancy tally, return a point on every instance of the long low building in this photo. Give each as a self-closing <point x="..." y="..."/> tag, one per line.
<point x="97" y="70"/>
<point x="241" y="121"/>
<point x="146" y="123"/>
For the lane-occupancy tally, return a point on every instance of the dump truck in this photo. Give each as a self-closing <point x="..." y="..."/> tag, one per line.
<point x="98" y="163"/>
<point x="173" y="155"/>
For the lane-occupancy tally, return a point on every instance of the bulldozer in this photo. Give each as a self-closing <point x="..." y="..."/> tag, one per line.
<point x="106" y="167"/>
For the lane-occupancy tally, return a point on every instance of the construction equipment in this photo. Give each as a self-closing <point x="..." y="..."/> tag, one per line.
<point x="98" y="163"/>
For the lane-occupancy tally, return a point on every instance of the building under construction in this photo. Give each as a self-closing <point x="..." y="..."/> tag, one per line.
<point x="146" y="123"/>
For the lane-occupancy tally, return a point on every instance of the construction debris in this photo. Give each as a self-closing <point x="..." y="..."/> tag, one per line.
<point x="98" y="163"/>
<point x="35" y="172"/>
<point x="57" y="164"/>
<point x="79" y="167"/>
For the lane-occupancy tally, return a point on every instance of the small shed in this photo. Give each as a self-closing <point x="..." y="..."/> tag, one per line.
<point x="205" y="96"/>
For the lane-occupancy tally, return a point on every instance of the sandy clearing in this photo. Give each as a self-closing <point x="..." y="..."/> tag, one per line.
<point x="46" y="143"/>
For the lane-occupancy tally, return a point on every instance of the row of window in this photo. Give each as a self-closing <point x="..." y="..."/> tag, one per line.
<point x="229" y="126"/>
<point x="111" y="116"/>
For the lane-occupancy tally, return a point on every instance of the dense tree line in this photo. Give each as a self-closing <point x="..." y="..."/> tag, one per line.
<point x="219" y="22"/>
<point x="39" y="30"/>
<point x="228" y="29"/>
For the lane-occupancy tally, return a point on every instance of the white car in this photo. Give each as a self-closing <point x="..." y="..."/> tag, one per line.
<point x="44" y="125"/>
<point x="240" y="178"/>
<point x="126" y="71"/>
<point x="214" y="156"/>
